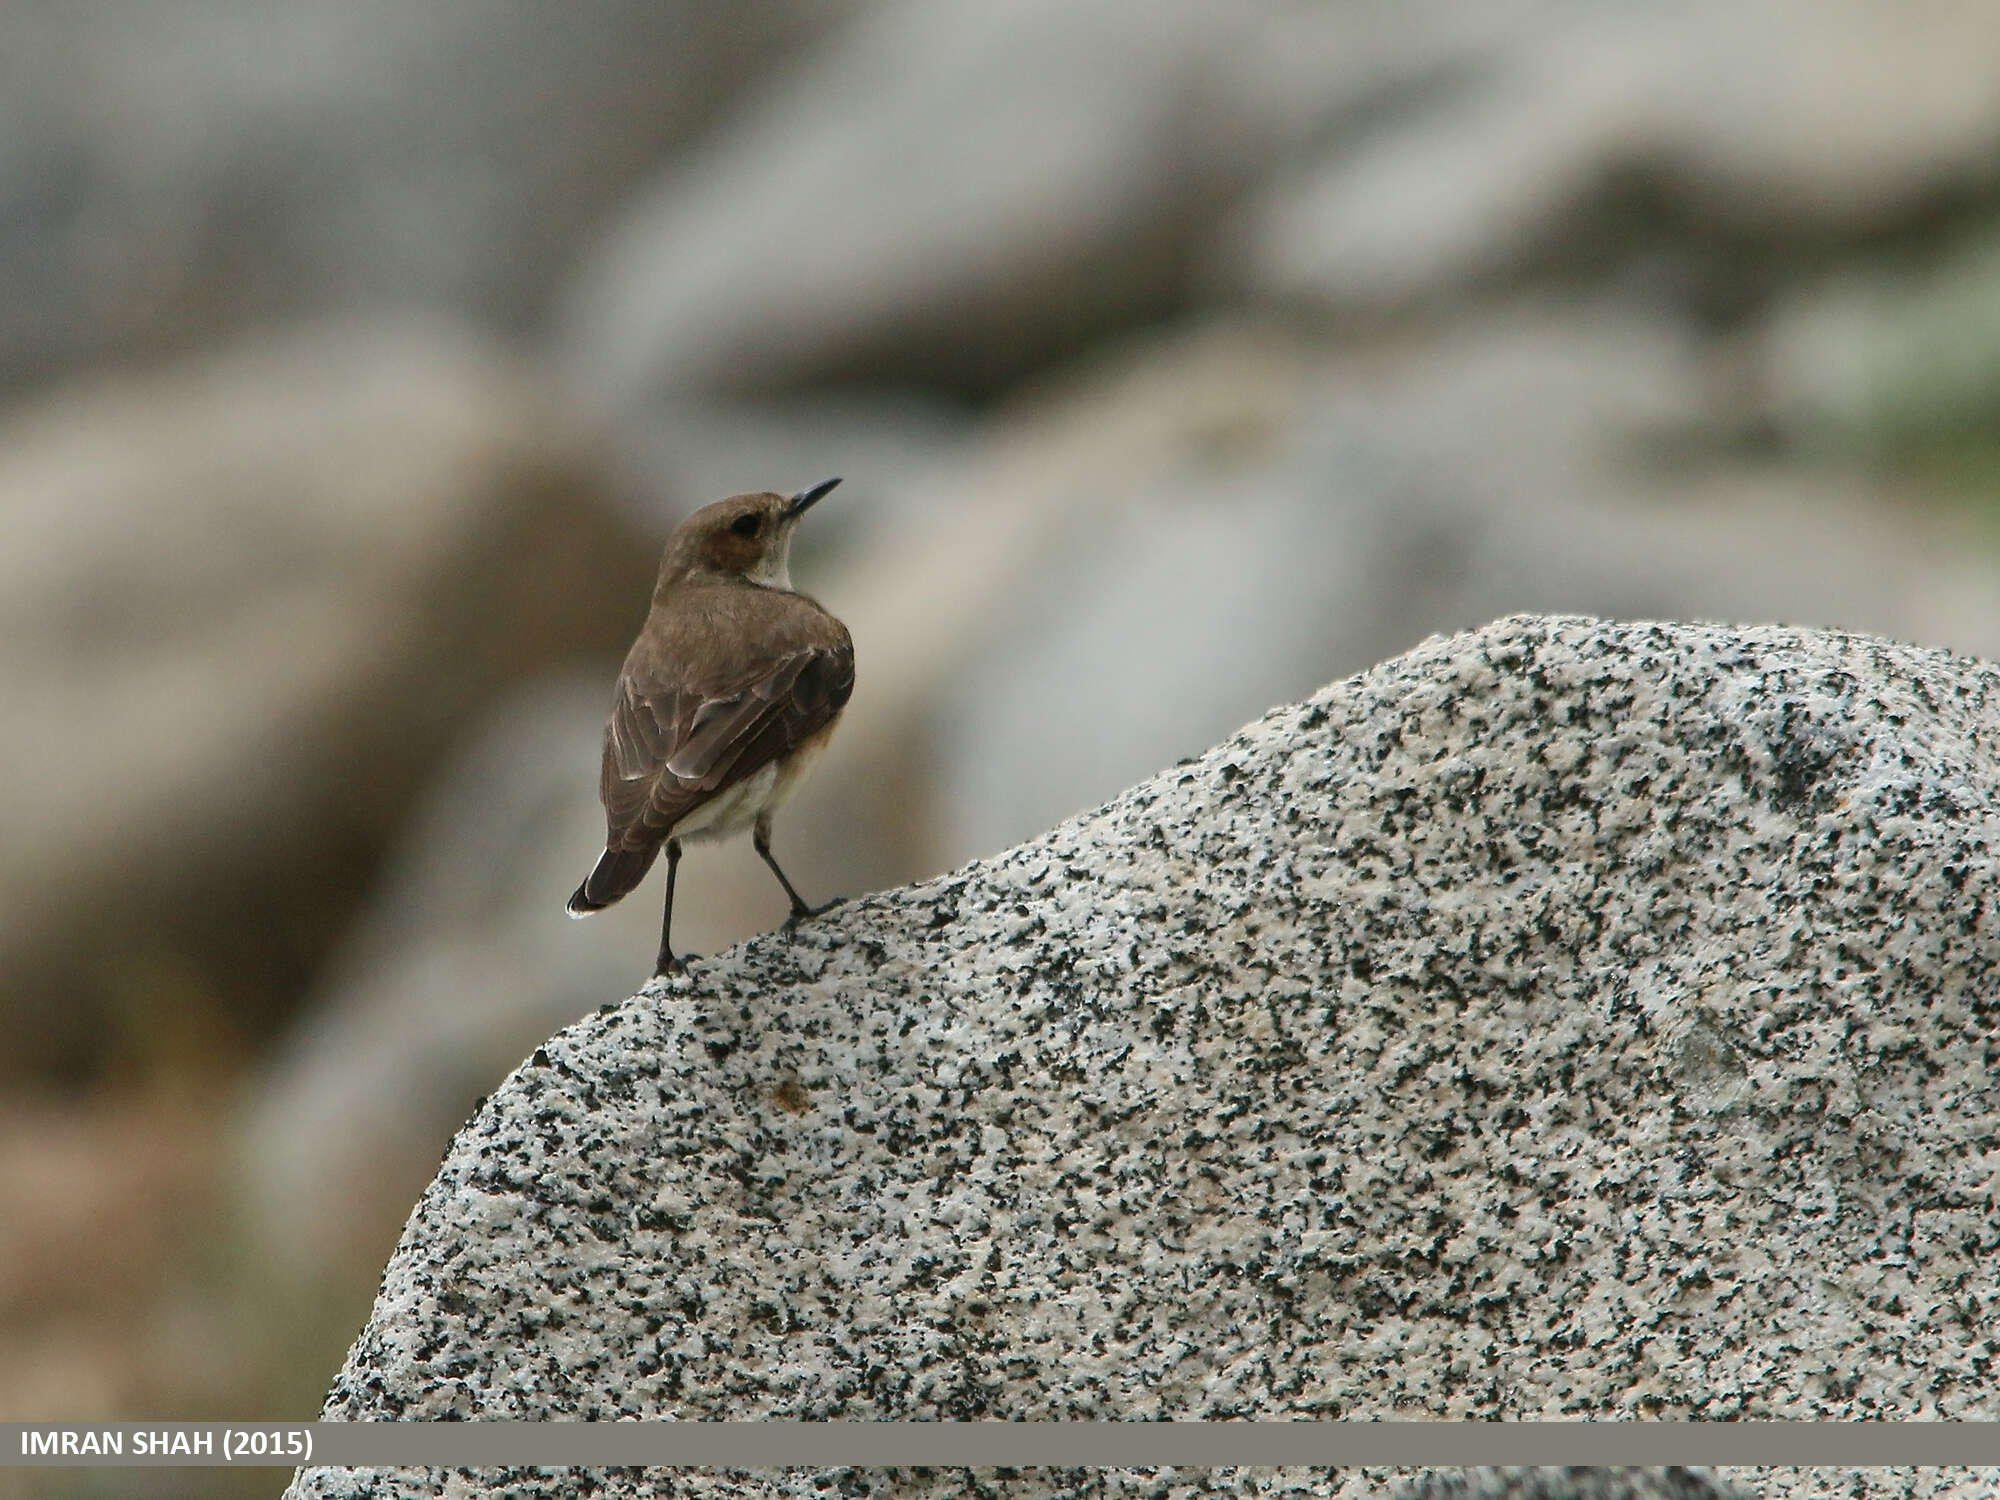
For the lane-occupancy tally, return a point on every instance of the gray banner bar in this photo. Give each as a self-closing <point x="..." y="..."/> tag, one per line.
<point x="763" y="1445"/>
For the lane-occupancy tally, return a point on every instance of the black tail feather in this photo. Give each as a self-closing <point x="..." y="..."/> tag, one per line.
<point x="617" y="872"/>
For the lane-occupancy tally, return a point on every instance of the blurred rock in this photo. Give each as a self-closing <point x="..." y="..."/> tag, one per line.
<point x="247" y="601"/>
<point x="99" y="1203"/>
<point x="952" y="192"/>
<point x="1882" y="358"/>
<point x="171" y="172"/>
<point x="889" y="445"/>
<point x="1661" y="135"/>
<point x="1287" y="516"/>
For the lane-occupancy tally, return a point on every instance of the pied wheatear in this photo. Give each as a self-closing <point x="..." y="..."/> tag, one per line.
<point x="733" y="686"/>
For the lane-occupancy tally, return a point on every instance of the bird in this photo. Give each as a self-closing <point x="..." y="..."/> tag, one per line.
<point x="732" y="688"/>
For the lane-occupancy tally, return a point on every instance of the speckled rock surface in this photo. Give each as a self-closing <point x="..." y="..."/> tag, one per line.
<point x="1435" y="1484"/>
<point x="1564" y="1019"/>
<point x="1565" y="1484"/>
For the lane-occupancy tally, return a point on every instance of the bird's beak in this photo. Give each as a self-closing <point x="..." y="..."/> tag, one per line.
<point x="804" y="500"/>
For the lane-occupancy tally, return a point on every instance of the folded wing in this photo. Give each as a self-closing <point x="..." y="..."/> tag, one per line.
<point x="667" y="752"/>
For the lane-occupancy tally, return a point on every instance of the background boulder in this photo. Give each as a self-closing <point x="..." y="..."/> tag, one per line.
<point x="234" y="641"/>
<point x="180" y="172"/>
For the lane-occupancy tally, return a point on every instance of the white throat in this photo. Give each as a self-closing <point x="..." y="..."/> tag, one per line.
<point x="774" y="569"/>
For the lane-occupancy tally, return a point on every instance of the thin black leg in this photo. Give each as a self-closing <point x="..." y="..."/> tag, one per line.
<point x="666" y="963"/>
<point x="800" y="911"/>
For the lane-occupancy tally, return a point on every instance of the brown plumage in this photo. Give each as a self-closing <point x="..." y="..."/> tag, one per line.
<point x="735" y="682"/>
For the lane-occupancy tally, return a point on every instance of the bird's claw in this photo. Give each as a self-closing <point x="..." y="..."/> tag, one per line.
<point x="803" y="913"/>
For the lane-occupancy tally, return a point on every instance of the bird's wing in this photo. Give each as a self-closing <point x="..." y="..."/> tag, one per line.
<point x="666" y="751"/>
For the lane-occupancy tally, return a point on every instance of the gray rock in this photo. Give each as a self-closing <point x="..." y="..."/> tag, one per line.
<point x="952" y="191"/>
<point x="1563" y="1020"/>
<point x="245" y="603"/>
<point x="170" y="173"/>
<point x="1159" y="1484"/>
<point x="1566" y="1484"/>
<point x="1582" y="135"/>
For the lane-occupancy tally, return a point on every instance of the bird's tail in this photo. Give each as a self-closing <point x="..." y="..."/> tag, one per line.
<point x="617" y="872"/>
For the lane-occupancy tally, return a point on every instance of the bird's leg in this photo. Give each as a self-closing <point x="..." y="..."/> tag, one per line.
<point x="800" y="911"/>
<point x="667" y="963"/>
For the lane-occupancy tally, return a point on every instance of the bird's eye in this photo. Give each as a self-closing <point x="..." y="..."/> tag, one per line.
<point x="746" y="525"/>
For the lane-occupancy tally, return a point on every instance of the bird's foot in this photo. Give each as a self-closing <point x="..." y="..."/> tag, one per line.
<point x="669" y="964"/>
<point x="802" y="912"/>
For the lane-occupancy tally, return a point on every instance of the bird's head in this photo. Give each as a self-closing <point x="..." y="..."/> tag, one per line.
<point x="745" y="536"/>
